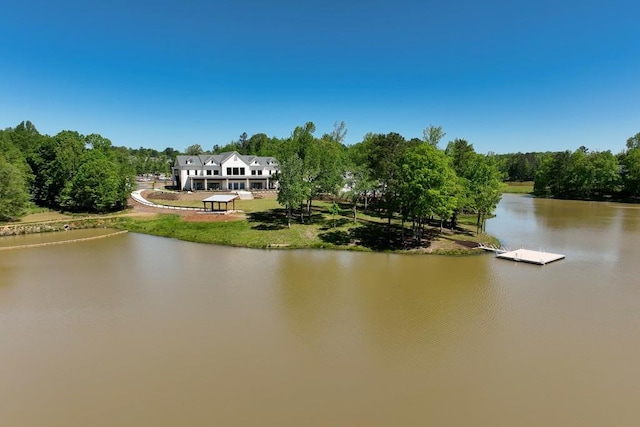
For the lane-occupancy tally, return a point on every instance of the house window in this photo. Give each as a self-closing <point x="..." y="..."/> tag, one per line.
<point x="188" y="171"/>
<point x="260" y="172"/>
<point x="253" y="172"/>
<point x="216" y="172"/>
<point x="208" y="171"/>
<point x="228" y="171"/>
<point x="235" y="171"/>
<point x="242" y="171"/>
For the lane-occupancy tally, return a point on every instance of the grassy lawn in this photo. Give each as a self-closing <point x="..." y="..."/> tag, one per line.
<point x="265" y="226"/>
<point x="525" y="187"/>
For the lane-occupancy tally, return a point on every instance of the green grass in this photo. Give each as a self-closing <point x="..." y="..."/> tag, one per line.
<point x="37" y="214"/>
<point x="267" y="228"/>
<point x="525" y="187"/>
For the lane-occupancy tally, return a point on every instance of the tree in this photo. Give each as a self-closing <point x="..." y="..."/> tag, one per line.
<point x="433" y="135"/>
<point x="486" y="189"/>
<point x="428" y="187"/>
<point x="462" y="156"/>
<point x="55" y="162"/>
<point x="338" y="133"/>
<point x="634" y="141"/>
<point x="607" y="177"/>
<point x="552" y="176"/>
<point x="292" y="190"/>
<point x="359" y="185"/>
<point x="194" y="150"/>
<point x="631" y="177"/>
<point x="334" y="210"/>
<point x="384" y="159"/>
<point x="99" y="142"/>
<point x="100" y="185"/>
<point x="242" y="142"/>
<point x="13" y="191"/>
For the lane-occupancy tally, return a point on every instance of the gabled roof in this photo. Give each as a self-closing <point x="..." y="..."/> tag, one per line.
<point x="226" y="156"/>
<point x="188" y="160"/>
<point x="218" y="159"/>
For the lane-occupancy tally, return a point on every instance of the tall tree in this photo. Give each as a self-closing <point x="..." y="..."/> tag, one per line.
<point x="100" y="184"/>
<point x="385" y="156"/>
<point x="634" y="141"/>
<point x="631" y="175"/>
<point x="433" y="135"/>
<point x="338" y="133"/>
<point x="462" y="156"/>
<point x="194" y="150"/>
<point x="486" y="188"/>
<point x="292" y="190"/>
<point x="428" y="187"/>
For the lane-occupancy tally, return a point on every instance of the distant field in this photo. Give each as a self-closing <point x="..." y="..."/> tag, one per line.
<point x="524" y="187"/>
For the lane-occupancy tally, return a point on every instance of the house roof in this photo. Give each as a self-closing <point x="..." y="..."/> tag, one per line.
<point x="218" y="159"/>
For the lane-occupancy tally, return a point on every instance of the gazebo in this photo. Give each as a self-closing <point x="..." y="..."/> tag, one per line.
<point x="219" y="199"/>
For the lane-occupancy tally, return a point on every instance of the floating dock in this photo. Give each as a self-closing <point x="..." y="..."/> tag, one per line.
<point x="524" y="255"/>
<point x="532" y="257"/>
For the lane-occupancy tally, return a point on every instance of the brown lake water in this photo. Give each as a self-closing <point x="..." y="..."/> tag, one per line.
<point x="137" y="330"/>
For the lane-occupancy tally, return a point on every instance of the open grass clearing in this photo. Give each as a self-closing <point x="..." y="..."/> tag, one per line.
<point x="525" y="187"/>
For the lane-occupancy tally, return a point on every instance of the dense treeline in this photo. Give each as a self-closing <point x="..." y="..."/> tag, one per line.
<point x="67" y="171"/>
<point x="412" y="180"/>
<point x="520" y="166"/>
<point x="584" y="174"/>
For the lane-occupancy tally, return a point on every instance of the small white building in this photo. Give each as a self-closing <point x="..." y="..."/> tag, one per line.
<point x="227" y="172"/>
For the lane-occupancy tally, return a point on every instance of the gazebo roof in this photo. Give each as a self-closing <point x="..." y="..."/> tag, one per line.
<point x="221" y="198"/>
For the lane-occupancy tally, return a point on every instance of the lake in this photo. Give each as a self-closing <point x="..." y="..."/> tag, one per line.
<point x="137" y="330"/>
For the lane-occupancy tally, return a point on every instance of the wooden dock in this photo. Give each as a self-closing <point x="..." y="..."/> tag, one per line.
<point x="524" y="255"/>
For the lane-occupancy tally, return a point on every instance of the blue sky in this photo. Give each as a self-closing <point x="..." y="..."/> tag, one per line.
<point x="505" y="75"/>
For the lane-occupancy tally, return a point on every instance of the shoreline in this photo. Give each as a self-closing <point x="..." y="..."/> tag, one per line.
<point x="266" y="230"/>
<point x="126" y="224"/>
<point x="240" y="233"/>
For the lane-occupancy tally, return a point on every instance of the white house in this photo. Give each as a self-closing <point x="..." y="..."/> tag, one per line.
<point x="226" y="171"/>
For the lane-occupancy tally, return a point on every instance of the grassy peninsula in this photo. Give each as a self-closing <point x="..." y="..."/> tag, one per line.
<point x="262" y="223"/>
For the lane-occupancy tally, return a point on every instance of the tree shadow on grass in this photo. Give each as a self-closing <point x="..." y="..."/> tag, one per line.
<point x="337" y="237"/>
<point x="330" y="223"/>
<point x="274" y="219"/>
<point x="374" y="236"/>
